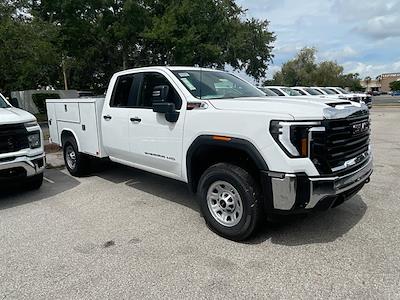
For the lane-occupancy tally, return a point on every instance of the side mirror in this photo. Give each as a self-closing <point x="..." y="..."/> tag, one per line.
<point x="160" y="93"/>
<point x="171" y="115"/>
<point x="14" y="102"/>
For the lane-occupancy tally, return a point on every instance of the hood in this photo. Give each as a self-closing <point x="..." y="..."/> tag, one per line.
<point x="299" y="108"/>
<point x="14" y="115"/>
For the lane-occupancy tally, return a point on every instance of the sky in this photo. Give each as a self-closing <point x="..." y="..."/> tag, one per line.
<point x="361" y="35"/>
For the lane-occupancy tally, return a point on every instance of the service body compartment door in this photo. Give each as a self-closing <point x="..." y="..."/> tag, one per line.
<point x="53" y="128"/>
<point x="68" y="112"/>
<point x="88" y="131"/>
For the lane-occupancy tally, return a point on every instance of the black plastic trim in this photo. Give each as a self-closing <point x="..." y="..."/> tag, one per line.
<point x="234" y="143"/>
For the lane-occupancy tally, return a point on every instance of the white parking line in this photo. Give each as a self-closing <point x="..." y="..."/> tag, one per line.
<point x="48" y="180"/>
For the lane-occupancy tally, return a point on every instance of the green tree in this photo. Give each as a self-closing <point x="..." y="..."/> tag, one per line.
<point x="209" y="33"/>
<point x="395" y="85"/>
<point x="298" y="71"/>
<point x="29" y="56"/>
<point x="304" y="70"/>
<point x="84" y="42"/>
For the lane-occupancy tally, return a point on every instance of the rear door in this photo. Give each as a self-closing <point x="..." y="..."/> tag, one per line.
<point x="115" y="118"/>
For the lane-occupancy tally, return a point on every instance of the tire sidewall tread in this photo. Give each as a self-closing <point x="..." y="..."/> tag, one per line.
<point x="249" y="193"/>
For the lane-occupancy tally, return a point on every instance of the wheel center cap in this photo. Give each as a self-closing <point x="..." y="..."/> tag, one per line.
<point x="226" y="202"/>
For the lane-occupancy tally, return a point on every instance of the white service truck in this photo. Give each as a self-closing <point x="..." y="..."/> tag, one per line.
<point x="244" y="154"/>
<point x="22" y="158"/>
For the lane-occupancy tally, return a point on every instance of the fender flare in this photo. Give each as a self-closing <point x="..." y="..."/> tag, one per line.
<point x="233" y="143"/>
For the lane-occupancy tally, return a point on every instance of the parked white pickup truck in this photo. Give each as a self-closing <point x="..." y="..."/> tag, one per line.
<point x="367" y="99"/>
<point x="22" y="158"/>
<point x="243" y="153"/>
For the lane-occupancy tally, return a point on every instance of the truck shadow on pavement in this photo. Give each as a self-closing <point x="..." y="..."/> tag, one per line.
<point x="314" y="228"/>
<point x="55" y="182"/>
<point x="153" y="184"/>
<point x="318" y="227"/>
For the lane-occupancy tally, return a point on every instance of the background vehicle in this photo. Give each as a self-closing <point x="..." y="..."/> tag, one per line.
<point x="267" y="92"/>
<point x="282" y="91"/>
<point x="22" y="157"/>
<point x="396" y="93"/>
<point x="307" y="91"/>
<point x="367" y="99"/>
<point x="244" y="154"/>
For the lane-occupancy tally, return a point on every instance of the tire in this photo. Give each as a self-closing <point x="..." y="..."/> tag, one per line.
<point x="34" y="182"/>
<point x="76" y="162"/>
<point x="229" y="201"/>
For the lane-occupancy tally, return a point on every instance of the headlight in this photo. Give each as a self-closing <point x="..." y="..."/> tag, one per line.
<point x="31" y="124"/>
<point x="34" y="140"/>
<point x="292" y="137"/>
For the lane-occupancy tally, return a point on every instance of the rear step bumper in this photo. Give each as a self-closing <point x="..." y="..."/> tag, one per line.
<point x="296" y="193"/>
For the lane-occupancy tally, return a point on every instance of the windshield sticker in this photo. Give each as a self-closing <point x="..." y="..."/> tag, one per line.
<point x="188" y="84"/>
<point x="184" y="74"/>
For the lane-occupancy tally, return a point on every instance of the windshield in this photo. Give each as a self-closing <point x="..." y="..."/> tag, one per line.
<point x="343" y="91"/>
<point x="3" y="103"/>
<point x="329" y="92"/>
<point x="291" y="92"/>
<point x="205" y="84"/>
<point x="268" y="92"/>
<point x="313" y="92"/>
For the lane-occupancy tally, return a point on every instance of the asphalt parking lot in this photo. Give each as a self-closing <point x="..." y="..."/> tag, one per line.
<point x="124" y="233"/>
<point x="386" y="100"/>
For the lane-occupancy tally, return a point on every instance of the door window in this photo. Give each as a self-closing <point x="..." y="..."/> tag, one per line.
<point x="152" y="81"/>
<point x="125" y="91"/>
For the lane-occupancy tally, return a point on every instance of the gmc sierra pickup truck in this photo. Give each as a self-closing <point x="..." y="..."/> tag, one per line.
<point x="22" y="158"/>
<point x="244" y="154"/>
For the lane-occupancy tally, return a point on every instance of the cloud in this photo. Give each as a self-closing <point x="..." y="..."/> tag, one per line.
<point x="373" y="70"/>
<point x="378" y="19"/>
<point x="381" y="27"/>
<point x="362" y="35"/>
<point x="345" y="52"/>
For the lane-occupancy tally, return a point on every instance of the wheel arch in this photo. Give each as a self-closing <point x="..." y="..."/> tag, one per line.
<point x="65" y="133"/>
<point x="207" y="150"/>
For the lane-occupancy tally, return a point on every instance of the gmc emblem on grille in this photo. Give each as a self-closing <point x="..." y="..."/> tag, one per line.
<point x="360" y="127"/>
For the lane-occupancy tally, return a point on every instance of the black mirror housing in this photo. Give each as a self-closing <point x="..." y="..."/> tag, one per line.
<point x="163" y="107"/>
<point x="171" y="115"/>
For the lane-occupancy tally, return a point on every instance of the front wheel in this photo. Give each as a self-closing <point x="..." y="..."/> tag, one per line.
<point x="229" y="201"/>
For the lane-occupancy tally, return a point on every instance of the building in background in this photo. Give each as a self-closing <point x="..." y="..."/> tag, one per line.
<point x="380" y="83"/>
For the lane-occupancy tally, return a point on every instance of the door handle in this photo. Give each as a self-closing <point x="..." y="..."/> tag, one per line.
<point x="107" y="117"/>
<point x="136" y="120"/>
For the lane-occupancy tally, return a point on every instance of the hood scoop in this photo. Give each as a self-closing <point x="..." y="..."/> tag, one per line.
<point x="334" y="104"/>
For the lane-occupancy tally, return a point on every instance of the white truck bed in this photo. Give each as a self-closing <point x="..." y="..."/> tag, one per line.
<point x="82" y="116"/>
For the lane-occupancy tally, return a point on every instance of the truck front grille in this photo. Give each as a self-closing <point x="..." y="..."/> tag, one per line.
<point x="13" y="138"/>
<point x="343" y="145"/>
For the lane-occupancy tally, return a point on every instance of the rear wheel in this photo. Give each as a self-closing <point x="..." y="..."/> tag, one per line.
<point x="229" y="201"/>
<point x="76" y="162"/>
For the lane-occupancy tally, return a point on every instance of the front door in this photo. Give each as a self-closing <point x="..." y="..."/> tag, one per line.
<point x="155" y="142"/>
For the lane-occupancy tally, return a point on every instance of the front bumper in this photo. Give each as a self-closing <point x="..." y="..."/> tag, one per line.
<point x="291" y="193"/>
<point x="21" y="166"/>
